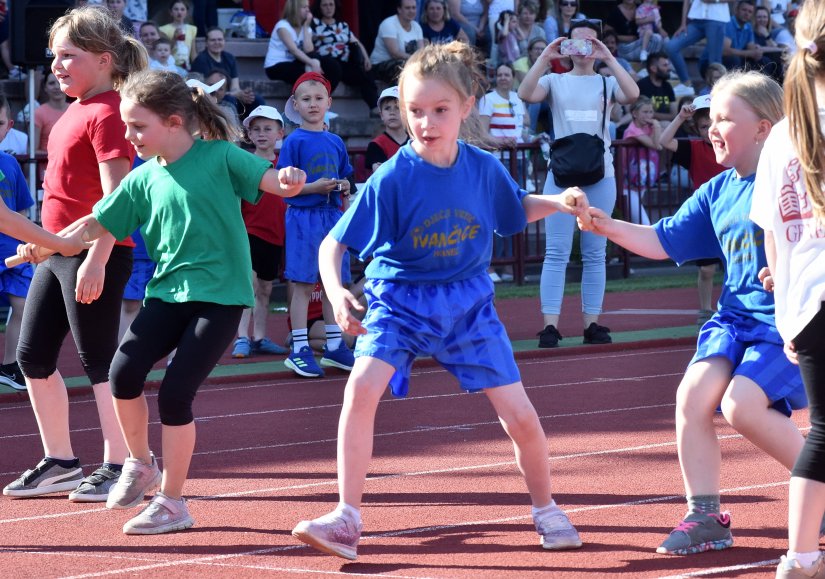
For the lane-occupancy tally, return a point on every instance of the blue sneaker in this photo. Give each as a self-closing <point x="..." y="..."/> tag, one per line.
<point x="341" y="357"/>
<point x="267" y="346"/>
<point x="303" y="363"/>
<point x="242" y="349"/>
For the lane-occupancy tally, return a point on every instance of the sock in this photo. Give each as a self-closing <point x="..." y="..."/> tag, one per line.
<point x="299" y="339"/>
<point x="333" y="336"/>
<point x="804" y="559"/>
<point x="535" y="509"/>
<point x="112" y="466"/>
<point x="349" y="510"/>
<point x="66" y="463"/>
<point x="704" y="504"/>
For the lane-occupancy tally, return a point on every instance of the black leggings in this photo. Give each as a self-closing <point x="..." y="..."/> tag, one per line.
<point x="810" y="346"/>
<point x="289" y="72"/>
<point x="51" y="311"/>
<point x="201" y="332"/>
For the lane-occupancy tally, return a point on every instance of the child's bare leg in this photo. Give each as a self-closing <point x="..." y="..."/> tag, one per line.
<point x="522" y="425"/>
<point x="646" y="34"/>
<point x="367" y="382"/>
<point x="805" y="509"/>
<point x="263" y="290"/>
<point x="133" y="416"/>
<point x="697" y="398"/>
<point x="748" y="410"/>
<point x="704" y="284"/>
<point x="298" y="304"/>
<point x="178" y="446"/>
<point x="50" y="402"/>
<point x="243" y="325"/>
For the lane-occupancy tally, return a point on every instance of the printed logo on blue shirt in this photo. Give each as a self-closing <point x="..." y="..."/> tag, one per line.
<point x="445" y="241"/>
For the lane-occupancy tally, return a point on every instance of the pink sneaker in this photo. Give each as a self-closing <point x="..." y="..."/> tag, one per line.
<point x="136" y="480"/>
<point x="335" y="533"/>
<point x="162" y="515"/>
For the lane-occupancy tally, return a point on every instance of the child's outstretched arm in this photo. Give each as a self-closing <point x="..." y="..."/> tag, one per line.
<point x="342" y="300"/>
<point x="667" y="138"/>
<point x="17" y="226"/>
<point x="571" y="200"/>
<point x="640" y="239"/>
<point x="286" y="182"/>
<point x="75" y="238"/>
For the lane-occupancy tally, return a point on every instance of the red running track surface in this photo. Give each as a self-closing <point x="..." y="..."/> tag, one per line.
<point x="443" y="499"/>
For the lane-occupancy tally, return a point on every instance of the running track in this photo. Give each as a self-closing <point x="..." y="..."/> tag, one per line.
<point x="444" y="498"/>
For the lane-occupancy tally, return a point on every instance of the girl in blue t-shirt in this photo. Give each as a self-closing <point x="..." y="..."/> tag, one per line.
<point x="739" y="362"/>
<point x="427" y="287"/>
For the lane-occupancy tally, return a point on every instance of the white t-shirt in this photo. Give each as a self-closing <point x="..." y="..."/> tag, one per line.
<point x="407" y="40"/>
<point x="15" y="143"/>
<point x="782" y="206"/>
<point x="577" y="106"/>
<point x="277" y="51"/>
<point x="506" y="114"/>
<point x="703" y="11"/>
<point x="497" y="7"/>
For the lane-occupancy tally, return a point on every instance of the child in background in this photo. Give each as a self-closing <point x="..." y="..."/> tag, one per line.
<point x="697" y="156"/>
<point x="642" y="162"/>
<point x="310" y="216"/>
<point x="648" y="21"/>
<point x="185" y="199"/>
<point x="788" y="202"/>
<point x="118" y="9"/>
<point x="12" y="141"/>
<point x="265" y="228"/>
<point x="739" y="362"/>
<point x="88" y="156"/>
<point x="162" y="57"/>
<point x="428" y="289"/>
<point x="45" y="116"/>
<point x="385" y="145"/>
<point x="180" y="33"/>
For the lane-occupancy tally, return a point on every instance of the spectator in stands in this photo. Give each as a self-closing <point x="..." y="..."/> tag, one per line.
<point x="547" y="16"/>
<point x="54" y="104"/>
<point x="118" y="9"/>
<point x="568" y="12"/>
<point x="11" y="71"/>
<point x="623" y="20"/>
<point x="700" y="20"/>
<point x="713" y="72"/>
<point x="180" y="33"/>
<point x="395" y="136"/>
<point x="611" y="41"/>
<point x="521" y="29"/>
<point x="739" y="48"/>
<point x="772" y="40"/>
<point x="333" y="38"/>
<point x="537" y="112"/>
<point x="218" y="77"/>
<point x="148" y="33"/>
<point x="437" y="26"/>
<point x="471" y="15"/>
<point x="215" y="57"/>
<point x="398" y="38"/>
<point x="161" y="57"/>
<point x="656" y="87"/>
<point x="291" y="52"/>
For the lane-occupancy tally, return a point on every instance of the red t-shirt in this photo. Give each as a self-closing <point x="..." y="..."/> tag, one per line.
<point x="698" y="158"/>
<point x="88" y="133"/>
<point x="266" y="219"/>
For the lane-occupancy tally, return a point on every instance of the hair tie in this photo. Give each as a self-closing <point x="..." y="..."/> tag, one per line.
<point x="811" y="47"/>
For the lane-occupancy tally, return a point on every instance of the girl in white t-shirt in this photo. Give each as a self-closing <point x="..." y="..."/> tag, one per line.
<point x="789" y="204"/>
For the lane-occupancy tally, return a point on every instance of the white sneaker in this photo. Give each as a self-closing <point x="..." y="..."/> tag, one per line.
<point x="681" y="90"/>
<point x="643" y="56"/>
<point x="494" y="277"/>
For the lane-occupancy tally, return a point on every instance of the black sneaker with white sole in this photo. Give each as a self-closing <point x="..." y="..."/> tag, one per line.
<point x="11" y="376"/>
<point x="47" y="477"/>
<point x="596" y="334"/>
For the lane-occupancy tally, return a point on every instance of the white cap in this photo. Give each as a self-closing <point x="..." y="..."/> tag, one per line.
<point x="701" y="102"/>
<point x="388" y="93"/>
<point x="265" y="112"/>
<point x="207" y="88"/>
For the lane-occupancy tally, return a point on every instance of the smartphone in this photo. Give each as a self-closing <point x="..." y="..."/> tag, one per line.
<point x="576" y="47"/>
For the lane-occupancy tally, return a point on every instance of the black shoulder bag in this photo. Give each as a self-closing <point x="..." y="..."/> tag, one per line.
<point x="577" y="160"/>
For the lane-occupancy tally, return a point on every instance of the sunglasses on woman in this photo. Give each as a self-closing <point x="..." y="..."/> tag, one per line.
<point x="568" y="4"/>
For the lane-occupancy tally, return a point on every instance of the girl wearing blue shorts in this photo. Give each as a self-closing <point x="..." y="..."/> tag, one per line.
<point x="739" y="363"/>
<point x="428" y="292"/>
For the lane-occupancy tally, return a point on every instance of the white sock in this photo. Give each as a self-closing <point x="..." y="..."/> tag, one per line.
<point x="536" y="509"/>
<point x="299" y="340"/>
<point x="804" y="559"/>
<point x="349" y="510"/>
<point x="333" y="336"/>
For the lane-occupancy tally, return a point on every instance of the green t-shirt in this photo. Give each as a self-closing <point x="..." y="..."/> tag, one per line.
<point x="189" y="213"/>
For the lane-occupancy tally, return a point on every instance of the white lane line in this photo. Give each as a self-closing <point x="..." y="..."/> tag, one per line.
<point x="718" y="570"/>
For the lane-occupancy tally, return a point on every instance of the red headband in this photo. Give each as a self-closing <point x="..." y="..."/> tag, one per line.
<point x="316" y="76"/>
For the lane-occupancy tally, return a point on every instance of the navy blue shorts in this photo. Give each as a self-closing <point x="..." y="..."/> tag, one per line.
<point x="16" y="281"/>
<point x="142" y="272"/>
<point x="306" y="228"/>
<point x="455" y="323"/>
<point x="756" y="352"/>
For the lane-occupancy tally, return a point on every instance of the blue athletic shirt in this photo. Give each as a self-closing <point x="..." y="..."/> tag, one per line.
<point x="16" y="196"/>
<point x="320" y="154"/>
<point x="423" y="223"/>
<point x="715" y="222"/>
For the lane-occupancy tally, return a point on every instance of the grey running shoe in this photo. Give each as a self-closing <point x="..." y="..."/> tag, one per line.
<point x="95" y="487"/>
<point x="791" y="569"/>
<point x="161" y="515"/>
<point x="47" y="477"/>
<point x="556" y="530"/>
<point x="335" y="533"/>
<point x="136" y="481"/>
<point x="699" y="532"/>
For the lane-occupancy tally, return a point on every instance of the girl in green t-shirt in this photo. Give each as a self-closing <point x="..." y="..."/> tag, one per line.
<point x="186" y="199"/>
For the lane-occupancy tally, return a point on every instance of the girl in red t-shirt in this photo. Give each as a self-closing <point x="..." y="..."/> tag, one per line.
<point x="88" y="156"/>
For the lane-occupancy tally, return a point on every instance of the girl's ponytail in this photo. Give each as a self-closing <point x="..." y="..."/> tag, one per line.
<point x="212" y="121"/>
